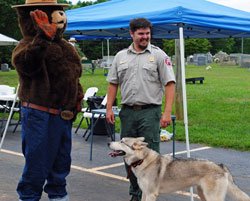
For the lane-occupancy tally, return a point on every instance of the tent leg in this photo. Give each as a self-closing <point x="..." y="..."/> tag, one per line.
<point x="102" y="50"/>
<point x="108" y="63"/>
<point x="8" y="121"/>
<point x="184" y="95"/>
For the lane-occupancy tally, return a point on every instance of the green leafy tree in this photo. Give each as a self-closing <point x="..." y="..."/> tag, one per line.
<point x="238" y="45"/>
<point x="93" y="48"/>
<point x="223" y="44"/>
<point x="191" y="46"/>
<point x="246" y="45"/>
<point x="9" y="27"/>
<point x="169" y="46"/>
<point x="84" y="3"/>
<point x="197" y="46"/>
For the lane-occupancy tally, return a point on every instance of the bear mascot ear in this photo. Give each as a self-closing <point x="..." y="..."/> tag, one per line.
<point x="41" y="21"/>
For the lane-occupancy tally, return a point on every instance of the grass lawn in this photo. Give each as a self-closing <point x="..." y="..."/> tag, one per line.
<point x="218" y="109"/>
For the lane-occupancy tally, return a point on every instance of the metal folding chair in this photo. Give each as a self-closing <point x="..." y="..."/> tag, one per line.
<point x="7" y="97"/>
<point x="90" y="92"/>
<point x="88" y="115"/>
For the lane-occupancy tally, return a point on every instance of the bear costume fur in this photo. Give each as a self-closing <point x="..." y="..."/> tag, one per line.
<point x="48" y="70"/>
<point x="48" y="67"/>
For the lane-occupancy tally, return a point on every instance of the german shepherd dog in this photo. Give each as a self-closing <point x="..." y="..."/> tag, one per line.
<point x="158" y="174"/>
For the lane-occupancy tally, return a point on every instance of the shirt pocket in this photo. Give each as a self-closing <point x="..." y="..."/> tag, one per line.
<point x="150" y="72"/>
<point x="123" y="72"/>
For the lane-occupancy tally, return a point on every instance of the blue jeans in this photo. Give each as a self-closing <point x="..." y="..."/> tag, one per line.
<point x="46" y="145"/>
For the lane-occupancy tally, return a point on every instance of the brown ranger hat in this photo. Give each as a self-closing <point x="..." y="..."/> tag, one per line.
<point x="41" y="3"/>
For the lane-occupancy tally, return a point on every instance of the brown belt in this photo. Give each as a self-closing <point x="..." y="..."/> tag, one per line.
<point x="41" y="108"/>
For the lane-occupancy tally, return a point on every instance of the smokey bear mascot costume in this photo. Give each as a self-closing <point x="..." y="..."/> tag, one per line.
<point x="48" y="69"/>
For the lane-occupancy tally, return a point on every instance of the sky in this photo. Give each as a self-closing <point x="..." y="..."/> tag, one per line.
<point x="238" y="4"/>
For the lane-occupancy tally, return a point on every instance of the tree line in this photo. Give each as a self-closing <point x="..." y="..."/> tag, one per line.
<point x="93" y="48"/>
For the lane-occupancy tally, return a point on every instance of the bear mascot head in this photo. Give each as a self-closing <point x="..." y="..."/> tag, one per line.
<point x="48" y="66"/>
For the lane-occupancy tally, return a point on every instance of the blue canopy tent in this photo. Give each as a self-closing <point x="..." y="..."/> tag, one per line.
<point x="200" y="19"/>
<point x="170" y="18"/>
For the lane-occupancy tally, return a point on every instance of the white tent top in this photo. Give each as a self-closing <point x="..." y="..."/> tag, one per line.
<point x="200" y="19"/>
<point x="5" y="40"/>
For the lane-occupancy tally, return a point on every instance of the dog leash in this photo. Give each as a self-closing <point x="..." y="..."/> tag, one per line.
<point x="135" y="164"/>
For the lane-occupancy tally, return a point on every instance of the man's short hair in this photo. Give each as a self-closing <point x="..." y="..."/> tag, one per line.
<point x="139" y="23"/>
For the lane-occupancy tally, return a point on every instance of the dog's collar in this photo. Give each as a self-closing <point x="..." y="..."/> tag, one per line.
<point x="135" y="164"/>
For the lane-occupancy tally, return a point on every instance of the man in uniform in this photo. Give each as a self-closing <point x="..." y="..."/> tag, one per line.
<point x="143" y="72"/>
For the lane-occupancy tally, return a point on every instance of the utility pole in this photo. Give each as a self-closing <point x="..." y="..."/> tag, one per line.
<point x="178" y="86"/>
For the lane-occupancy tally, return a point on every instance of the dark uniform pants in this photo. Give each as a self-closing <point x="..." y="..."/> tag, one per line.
<point x="141" y="123"/>
<point x="46" y="144"/>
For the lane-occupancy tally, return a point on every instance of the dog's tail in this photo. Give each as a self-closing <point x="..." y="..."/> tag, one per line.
<point x="233" y="190"/>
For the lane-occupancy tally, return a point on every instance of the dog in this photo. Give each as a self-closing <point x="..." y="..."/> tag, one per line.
<point x="158" y="174"/>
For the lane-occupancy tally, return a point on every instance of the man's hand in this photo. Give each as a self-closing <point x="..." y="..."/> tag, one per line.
<point x="41" y="19"/>
<point x="110" y="116"/>
<point x="112" y="91"/>
<point x="166" y="119"/>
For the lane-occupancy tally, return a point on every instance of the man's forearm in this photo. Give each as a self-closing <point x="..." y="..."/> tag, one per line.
<point x="169" y="96"/>
<point x="112" y="91"/>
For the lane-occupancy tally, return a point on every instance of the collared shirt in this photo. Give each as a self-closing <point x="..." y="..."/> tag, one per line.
<point x="141" y="76"/>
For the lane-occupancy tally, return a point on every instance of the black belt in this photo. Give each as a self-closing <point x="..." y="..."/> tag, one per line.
<point x="140" y="107"/>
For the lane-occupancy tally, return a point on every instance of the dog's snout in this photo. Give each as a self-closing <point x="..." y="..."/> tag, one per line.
<point x="108" y="143"/>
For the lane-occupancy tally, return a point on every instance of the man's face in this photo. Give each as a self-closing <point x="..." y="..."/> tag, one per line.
<point x="141" y="38"/>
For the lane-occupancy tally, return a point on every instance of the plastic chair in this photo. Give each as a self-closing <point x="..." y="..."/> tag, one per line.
<point x="90" y="92"/>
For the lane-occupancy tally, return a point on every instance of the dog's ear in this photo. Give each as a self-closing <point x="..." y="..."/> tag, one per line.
<point x="138" y="145"/>
<point x="141" y="138"/>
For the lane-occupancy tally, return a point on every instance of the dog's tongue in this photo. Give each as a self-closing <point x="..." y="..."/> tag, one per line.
<point x="113" y="154"/>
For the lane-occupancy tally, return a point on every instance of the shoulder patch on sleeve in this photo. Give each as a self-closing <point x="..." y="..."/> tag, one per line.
<point x="168" y="61"/>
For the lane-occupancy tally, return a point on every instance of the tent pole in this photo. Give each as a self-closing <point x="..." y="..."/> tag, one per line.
<point x="102" y="50"/>
<point x="184" y="95"/>
<point x="108" y="52"/>
<point x="184" y="89"/>
<point x="242" y="45"/>
<point x="8" y="121"/>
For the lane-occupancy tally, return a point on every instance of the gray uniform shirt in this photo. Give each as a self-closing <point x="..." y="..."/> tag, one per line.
<point x="142" y="76"/>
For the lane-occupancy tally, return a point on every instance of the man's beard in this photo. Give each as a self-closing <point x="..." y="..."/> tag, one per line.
<point x="143" y="47"/>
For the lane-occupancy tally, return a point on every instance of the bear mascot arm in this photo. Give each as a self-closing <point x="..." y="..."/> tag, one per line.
<point x="48" y="66"/>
